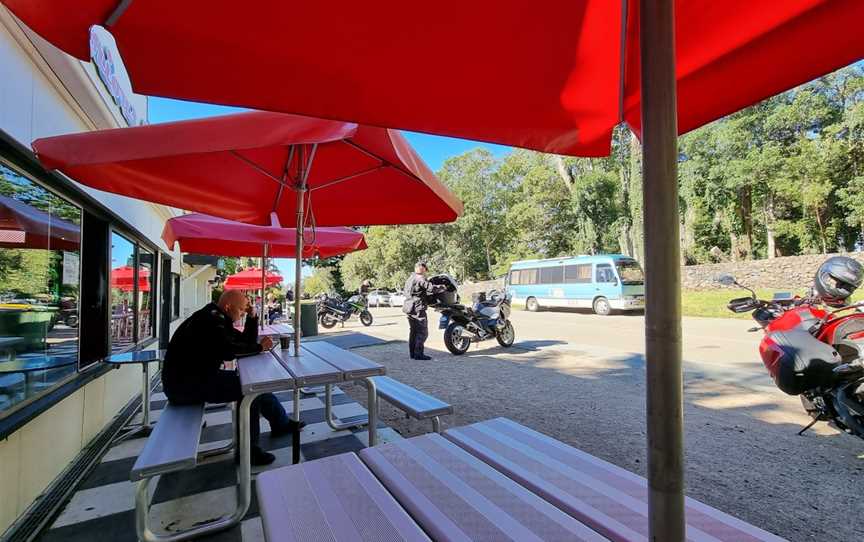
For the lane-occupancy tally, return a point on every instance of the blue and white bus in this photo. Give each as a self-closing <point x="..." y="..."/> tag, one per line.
<point x="602" y="283"/>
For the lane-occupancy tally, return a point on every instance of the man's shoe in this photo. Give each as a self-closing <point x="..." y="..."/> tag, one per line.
<point x="423" y="357"/>
<point x="287" y="429"/>
<point x="259" y="457"/>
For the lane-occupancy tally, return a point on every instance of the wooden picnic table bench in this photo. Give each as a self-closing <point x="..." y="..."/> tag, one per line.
<point x="607" y="498"/>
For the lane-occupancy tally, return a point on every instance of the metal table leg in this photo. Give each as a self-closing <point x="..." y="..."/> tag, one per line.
<point x="334" y="422"/>
<point x="372" y="399"/>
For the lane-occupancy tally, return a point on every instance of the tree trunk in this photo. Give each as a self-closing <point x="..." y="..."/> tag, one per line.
<point x="821" y="230"/>
<point x="638" y="225"/>
<point x="769" y="226"/>
<point x="563" y="172"/>
<point x="488" y="261"/>
<point x="625" y="234"/>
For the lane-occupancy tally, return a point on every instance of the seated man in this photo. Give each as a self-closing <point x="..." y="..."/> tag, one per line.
<point x="192" y="370"/>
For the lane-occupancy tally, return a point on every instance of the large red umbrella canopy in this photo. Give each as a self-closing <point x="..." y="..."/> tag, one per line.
<point x="123" y="278"/>
<point x="243" y="166"/>
<point x="24" y="226"/>
<point x="203" y="234"/>
<point x="555" y="78"/>
<point x="250" y="279"/>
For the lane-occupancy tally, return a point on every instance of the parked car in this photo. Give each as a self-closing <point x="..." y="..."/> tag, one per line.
<point x="397" y="299"/>
<point x="378" y="298"/>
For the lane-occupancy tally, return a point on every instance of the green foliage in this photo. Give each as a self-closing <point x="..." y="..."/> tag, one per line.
<point x="321" y="281"/>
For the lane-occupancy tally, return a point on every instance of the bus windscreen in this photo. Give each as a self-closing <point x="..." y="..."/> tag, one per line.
<point x="630" y="272"/>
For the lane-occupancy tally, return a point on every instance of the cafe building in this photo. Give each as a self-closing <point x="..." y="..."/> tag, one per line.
<point x="83" y="274"/>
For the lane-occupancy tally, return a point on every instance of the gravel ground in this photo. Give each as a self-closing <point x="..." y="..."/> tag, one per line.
<point x="743" y="454"/>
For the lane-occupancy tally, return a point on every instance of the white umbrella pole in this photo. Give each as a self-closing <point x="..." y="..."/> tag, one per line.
<point x="305" y="164"/>
<point x="263" y="283"/>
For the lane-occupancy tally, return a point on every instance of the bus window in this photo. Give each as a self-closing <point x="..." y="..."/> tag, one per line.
<point x="630" y="272"/>
<point x="605" y="274"/>
<point x="579" y="274"/>
<point x="552" y="275"/>
<point x="526" y="277"/>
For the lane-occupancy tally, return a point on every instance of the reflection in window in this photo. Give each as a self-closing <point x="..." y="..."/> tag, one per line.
<point x="40" y="239"/>
<point x="146" y="289"/>
<point x="122" y="292"/>
<point x="175" y="296"/>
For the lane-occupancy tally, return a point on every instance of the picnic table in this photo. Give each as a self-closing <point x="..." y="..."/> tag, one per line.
<point x="278" y="370"/>
<point x="8" y="344"/>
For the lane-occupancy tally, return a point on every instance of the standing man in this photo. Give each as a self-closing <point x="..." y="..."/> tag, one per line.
<point x="417" y="292"/>
<point x="192" y="370"/>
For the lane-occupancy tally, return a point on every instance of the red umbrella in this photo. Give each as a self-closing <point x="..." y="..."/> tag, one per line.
<point x="250" y="279"/>
<point x="556" y="78"/>
<point x="24" y="226"/>
<point x="204" y="234"/>
<point x="123" y="278"/>
<point x="243" y="167"/>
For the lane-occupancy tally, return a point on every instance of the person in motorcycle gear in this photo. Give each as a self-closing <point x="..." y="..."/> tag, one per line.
<point x="837" y="279"/>
<point x="418" y="292"/>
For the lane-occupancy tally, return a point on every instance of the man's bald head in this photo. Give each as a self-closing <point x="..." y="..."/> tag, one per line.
<point x="233" y="302"/>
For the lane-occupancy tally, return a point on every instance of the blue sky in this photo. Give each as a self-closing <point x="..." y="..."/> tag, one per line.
<point x="433" y="149"/>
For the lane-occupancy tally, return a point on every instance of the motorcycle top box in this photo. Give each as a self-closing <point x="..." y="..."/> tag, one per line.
<point x="447" y="297"/>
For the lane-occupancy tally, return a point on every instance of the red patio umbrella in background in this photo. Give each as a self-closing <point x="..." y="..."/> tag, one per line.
<point x="24" y="226"/>
<point x="556" y="79"/>
<point x="203" y="234"/>
<point x="243" y="166"/>
<point x="250" y="279"/>
<point x="123" y="278"/>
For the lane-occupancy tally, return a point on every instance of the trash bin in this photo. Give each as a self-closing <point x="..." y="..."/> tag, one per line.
<point x="309" y="319"/>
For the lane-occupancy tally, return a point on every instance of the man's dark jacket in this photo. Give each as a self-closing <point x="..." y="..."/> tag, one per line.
<point x="201" y="344"/>
<point x="418" y="293"/>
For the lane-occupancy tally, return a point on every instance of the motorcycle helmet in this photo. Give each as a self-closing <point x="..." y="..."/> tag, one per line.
<point x="837" y="279"/>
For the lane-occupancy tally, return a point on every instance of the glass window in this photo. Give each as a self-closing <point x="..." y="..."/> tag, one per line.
<point x="528" y="276"/>
<point x="40" y="242"/>
<point x="630" y="272"/>
<point x="175" y="296"/>
<point x="146" y="291"/>
<point x="552" y="275"/>
<point x="122" y="292"/>
<point x="605" y="273"/>
<point x="574" y="274"/>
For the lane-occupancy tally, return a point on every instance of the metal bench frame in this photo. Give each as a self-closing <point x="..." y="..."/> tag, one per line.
<point x="142" y="495"/>
<point x="436" y="420"/>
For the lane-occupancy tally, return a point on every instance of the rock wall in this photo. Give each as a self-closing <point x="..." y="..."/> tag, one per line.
<point x="789" y="272"/>
<point x="467" y="289"/>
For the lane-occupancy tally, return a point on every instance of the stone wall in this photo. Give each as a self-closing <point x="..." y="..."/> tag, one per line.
<point x="467" y="289"/>
<point x="788" y="272"/>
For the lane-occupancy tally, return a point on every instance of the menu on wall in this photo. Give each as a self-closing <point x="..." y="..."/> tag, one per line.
<point x="70" y="268"/>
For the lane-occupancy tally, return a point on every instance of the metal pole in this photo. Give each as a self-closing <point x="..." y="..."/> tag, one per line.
<point x="662" y="273"/>
<point x="298" y="259"/>
<point x="263" y="284"/>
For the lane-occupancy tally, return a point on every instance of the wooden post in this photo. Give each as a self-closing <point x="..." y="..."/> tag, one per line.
<point x="662" y="273"/>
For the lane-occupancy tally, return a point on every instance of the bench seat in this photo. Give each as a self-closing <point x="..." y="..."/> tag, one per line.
<point x="607" y="498"/>
<point x="173" y="444"/>
<point x="455" y="496"/>
<point x="335" y="498"/>
<point x="415" y="403"/>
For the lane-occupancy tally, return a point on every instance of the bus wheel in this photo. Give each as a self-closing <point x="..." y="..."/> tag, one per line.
<point x="532" y="305"/>
<point x="602" y="307"/>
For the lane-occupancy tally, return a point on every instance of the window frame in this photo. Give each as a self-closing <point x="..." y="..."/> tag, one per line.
<point x="138" y="242"/>
<point x="605" y="266"/>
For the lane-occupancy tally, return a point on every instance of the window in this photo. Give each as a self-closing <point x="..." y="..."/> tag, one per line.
<point x="523" y="277"/>
<point x="630" y="272"/>
<point x="552" y="275"/>
<point x="175" y="296"/>
<point x="40" y="249"/>
<point x="147" y="288"/>
<point x="576" y="274"/>
<point x="605" y="273"/>
<point x="122" y="292"/>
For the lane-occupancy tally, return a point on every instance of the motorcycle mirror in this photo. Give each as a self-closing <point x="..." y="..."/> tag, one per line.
<point x="726" y="280"/>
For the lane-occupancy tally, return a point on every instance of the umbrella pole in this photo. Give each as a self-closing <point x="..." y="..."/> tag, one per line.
<point x="298" y="259"/>
<point x="263" y="283"/>
<point x="665" y="420"/>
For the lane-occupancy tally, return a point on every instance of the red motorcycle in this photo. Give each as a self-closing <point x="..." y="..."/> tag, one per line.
<point x="814" y="351"/>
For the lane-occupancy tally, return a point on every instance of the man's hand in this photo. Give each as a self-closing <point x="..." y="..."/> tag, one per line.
<point x="267" y="343"/>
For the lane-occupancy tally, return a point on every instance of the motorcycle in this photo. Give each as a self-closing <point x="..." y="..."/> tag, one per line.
<point x="812" y="351"/>
<point x="333" y="310"/>
<point x="488" y="317"/>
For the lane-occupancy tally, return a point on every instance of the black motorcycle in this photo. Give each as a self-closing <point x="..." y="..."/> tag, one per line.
<point x="333" y="310"/>
<point x="488" y="317"/>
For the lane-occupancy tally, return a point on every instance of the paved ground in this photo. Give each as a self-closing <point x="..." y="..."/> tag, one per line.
<point x="580" y="378"/>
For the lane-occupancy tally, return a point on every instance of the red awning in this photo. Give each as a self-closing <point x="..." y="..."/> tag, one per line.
<point x="555" y="77"/>
<point x="250" y="279"/>
<point x="24" y="226"/>
<point x="235" y="167"/>
<point x="123" y="278"/>
<point x="204" y="234"/>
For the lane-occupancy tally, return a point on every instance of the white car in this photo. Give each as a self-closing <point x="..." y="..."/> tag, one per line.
<point x="397" y="299"/>
<point x="377" y="298"/>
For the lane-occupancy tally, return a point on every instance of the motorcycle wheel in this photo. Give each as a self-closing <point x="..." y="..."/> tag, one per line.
<point x="328" y="321"/>
<point x="72" y="320"/>
<point x="366" y="318"/>
<point x="455" y="342"/>
<point x="506" y="336"/>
